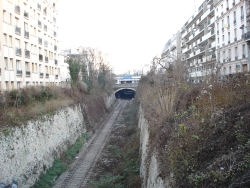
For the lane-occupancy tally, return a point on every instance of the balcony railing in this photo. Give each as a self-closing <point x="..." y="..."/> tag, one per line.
<point x="46" y="59"/>
<point x="27" y="53"/>
<point x="41" y="75"/>
<point x="27" y="73"/>
<point x="246" y="36"/>
<point x="17" y="9"/>
<point x="47" y="75"/>
<point x="26" y="34"/>
<point x="19" y="72"/>
<point x="40" y="57"/>
<point x="18" y="51"/>
<point x="18" y="30"/>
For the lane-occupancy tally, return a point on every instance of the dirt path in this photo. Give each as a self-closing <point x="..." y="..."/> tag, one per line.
<point x="78" y="174"/>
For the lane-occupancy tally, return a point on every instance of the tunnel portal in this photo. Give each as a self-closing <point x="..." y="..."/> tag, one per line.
<point x="125" y="94"/>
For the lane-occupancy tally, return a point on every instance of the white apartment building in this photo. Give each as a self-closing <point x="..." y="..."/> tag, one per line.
<point x="231" y="35"/>
<point x="198" y="42"/>
<point x="28" y="43"/>
<point x="172" y="50"/>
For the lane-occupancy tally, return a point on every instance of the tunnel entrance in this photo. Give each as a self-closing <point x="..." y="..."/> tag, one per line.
<point x="125" y="94"/>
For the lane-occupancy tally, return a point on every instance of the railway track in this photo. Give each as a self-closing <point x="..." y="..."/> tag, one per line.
<point x="77" y="176"/>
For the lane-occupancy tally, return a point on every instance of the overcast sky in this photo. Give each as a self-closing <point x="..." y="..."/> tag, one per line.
<point x="131" y="32"/>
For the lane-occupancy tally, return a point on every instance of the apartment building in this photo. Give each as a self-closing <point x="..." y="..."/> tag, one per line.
<point x="247" y="34"/>
<point x="198" y="42"/>
<point x="231" y="36"/>
<point x="172" y="50"/>
<point x="28" y="43"/>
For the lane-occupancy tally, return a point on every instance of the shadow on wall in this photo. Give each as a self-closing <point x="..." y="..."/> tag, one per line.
<point x="125" y="94"/>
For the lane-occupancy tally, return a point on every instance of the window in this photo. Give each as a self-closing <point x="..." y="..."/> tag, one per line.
<point x="27" y="67"/>
<point x="6" y="63"/>
<point x="242" y="13"/>
<point x="236" y="53"/>
<point x="234" y="17"/>
<point x="228" y="37"/>
<point x="11" y="65"/>
<point x="228" y="21"/>
<point x="10" y="41"/>
<point x="18" y="65"/>
<point x="5" y="41"/>
<point x="18" y="85"/>
<point x="229" y="55"/>
<point x="223" y="38"/>
<point x="235" y="34"/>
<point x="243" y="51"/>
<point x="7" y="17"/>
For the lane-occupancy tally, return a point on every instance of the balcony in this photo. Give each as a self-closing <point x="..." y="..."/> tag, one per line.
<point x="27" y="73"/>
<point x="18" y="30"/>
<point x="41" y="75"/>
<point x="46" y="59"/>
<point x="47" y="75"/>
<point x="246" y="36"/>
<point x="19" y="73"/>
<point x="27" y="53"/>
<point x="26" y="34"/>
<point x="17" y="9"/>
<point x="40" y="57"/>
<point x="18" y="52"/>
<point x="26" y="14"/>
<point x="56" y="62"/>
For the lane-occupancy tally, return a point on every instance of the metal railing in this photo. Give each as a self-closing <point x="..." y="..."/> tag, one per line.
<point x="27" y="73"/>
<point x="18" y="51"/>
<point x="19" y="72"/>
<point x="27" y="53"/>
<point x="26" y="34"/>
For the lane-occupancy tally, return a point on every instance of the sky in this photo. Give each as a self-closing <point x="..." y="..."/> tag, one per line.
<point x="129" y="32"/>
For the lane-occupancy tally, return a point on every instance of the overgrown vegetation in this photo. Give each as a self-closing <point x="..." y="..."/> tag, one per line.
<point x="201" y="131"/>
<point x="59" y="166"/>
<point x="123" y="149"/>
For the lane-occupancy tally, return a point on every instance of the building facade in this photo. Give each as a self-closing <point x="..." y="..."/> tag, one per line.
<point x="216" y="39"/>
<point x="28" y="44"/>
<point x="172" y="50"/>
<point x="198" y="42"/>
<point x="231" y="31"/>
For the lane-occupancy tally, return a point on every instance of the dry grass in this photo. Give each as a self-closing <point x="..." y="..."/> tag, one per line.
<point x="198" y="125"/>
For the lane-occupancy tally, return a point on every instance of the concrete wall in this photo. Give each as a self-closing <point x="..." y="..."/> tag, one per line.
<point x="26" y="151"/>
<point x="149" y="169"/>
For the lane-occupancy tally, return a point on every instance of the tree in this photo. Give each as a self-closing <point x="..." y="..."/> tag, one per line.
<point x="74" y="69"/>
